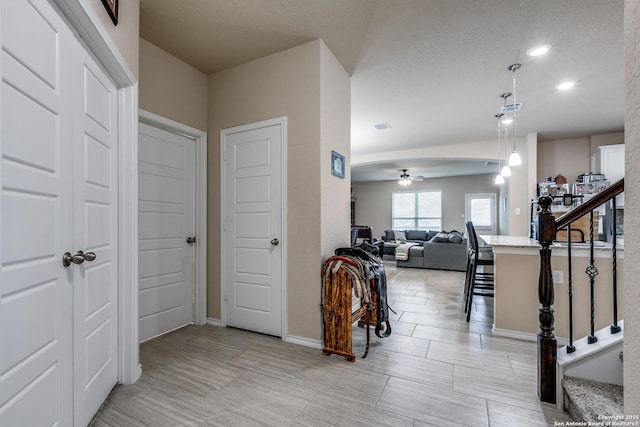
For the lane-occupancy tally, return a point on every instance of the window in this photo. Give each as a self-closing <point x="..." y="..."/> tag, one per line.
<point x="417" y="210"/>
<point x="481" y="210"/>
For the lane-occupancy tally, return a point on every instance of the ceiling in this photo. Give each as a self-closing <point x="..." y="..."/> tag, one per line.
<point x="432" y="69"/>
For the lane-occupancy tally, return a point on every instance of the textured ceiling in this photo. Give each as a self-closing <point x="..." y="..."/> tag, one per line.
<point x="212" y="35"/>
<point x="432" y="69"/>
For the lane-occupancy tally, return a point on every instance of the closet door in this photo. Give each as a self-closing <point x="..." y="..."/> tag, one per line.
<point x="36" y="217"/>
<point x="58" y="133"/>
<point x="95" y="234"/>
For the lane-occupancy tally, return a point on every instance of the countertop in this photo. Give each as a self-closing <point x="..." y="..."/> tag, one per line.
<point x="510" y="241"/>
<point x="522" y="242"/>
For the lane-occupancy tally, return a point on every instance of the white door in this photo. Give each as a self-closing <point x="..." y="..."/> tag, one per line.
<point x="253" y="227"/>
<point x="481" y="210"/>
<point x="58" y="334"/>
<point x="95" y="225"/>
<point x="35" y="289"/>
<point x="166" y="188"/>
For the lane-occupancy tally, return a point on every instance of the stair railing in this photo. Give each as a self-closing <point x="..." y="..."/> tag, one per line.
<point x="547" y="228"/>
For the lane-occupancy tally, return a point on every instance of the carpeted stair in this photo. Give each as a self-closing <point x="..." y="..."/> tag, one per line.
<point x="587" y="400"/>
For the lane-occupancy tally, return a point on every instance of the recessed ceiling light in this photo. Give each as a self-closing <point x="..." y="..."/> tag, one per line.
<point x="507" y="121"/>
<point x="538" y="50"/>
<point x="565" y="85"/>
<point x="382" y="126"/>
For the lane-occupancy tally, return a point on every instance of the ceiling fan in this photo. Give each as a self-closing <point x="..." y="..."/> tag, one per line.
<point x="406" y="179"/>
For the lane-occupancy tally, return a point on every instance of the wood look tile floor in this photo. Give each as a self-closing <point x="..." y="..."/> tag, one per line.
<point x="435" y="369"/>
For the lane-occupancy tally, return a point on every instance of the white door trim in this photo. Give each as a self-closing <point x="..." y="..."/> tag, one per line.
<point x="282" y="122"/>
<point x="86" y="22"/>
<point x="200" y="261"/>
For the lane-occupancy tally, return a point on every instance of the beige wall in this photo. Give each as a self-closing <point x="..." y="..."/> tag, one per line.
<point x="516" y="299"/>
<point x="632" y="204"/>
<point x="288" y="84"/>
<point x="335" y="135"/>
<point x="606" y="139"/>
<point x="571" y="157"/>
<point x="124" y="35"/>
<point x="373" y="199"/>
<point x="521" y="186"/>
<point x="171" y="88"/>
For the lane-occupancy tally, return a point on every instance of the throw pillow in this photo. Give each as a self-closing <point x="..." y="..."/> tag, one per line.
<point x="455" y="237"/>
<point x="400" y="237"/>
<point x="440" y="238"/>
<point x="416" y="235"/>
<point x="389" y="236"/>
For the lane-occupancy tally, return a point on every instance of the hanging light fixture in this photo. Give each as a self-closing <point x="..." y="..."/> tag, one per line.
<point x="499" y="178"/>
<point x="514" y="158"/>
<point x="405" y="179"/>
<point x="506" y="170"/>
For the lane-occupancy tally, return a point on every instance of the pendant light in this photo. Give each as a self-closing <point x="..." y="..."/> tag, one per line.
<point x="499" y="178"/>
<point x="506" y="170"/>
<point x="514" y="158"/>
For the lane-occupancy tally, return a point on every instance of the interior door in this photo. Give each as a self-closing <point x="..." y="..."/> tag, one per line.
<point x="95" y="230"/>
<point x="58" y="127"/>
<point x="253" y="228"/>
<point x="36" y="218"/>
<point x="166" y="181"/>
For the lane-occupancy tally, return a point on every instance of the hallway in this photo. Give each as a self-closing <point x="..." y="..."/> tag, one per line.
<point x="435" y="369"/>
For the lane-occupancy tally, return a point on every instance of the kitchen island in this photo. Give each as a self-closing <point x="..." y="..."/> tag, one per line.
<point x="516" y="268"/>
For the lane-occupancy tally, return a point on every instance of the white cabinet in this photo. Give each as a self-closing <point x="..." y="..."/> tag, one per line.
<point x="609" y="160"/>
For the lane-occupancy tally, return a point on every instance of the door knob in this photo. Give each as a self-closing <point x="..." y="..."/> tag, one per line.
<point x="78" y="258"/>
<point x="68" y="259"/>
<point x="275" y="242"/>
<point x="191" y="240"/>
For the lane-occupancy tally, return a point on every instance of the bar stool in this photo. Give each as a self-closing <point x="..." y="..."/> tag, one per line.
<point x="477" y="283"/>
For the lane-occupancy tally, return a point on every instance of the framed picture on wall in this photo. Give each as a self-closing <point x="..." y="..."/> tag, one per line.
<point x="337" y="164"/>
<point x="112" y="9"/>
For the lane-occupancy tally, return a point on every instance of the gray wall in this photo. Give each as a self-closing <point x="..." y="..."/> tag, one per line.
<point x="373" y="199"/>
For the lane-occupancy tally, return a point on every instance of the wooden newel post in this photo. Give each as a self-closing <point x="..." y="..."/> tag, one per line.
<point x="547" y="345"/>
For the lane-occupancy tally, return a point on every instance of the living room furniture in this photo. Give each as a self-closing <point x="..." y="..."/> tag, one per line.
<point x="408" y="236"/>
<point x="434" y="250"/>
<point x="364" y="233"/>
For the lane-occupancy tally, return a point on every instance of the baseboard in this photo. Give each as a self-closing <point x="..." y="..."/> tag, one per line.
<point x="214" y="322"/>
<point x="303" y="341"/>
<point x="523" y="336"/>
<point x="289" y="338"/>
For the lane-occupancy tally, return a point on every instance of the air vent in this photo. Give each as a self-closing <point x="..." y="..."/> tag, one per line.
<point x="508" y="108"/>
<point x="382" y="126"/>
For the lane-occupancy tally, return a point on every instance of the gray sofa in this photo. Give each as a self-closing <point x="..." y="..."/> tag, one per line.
<point x="434" y="250"/>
